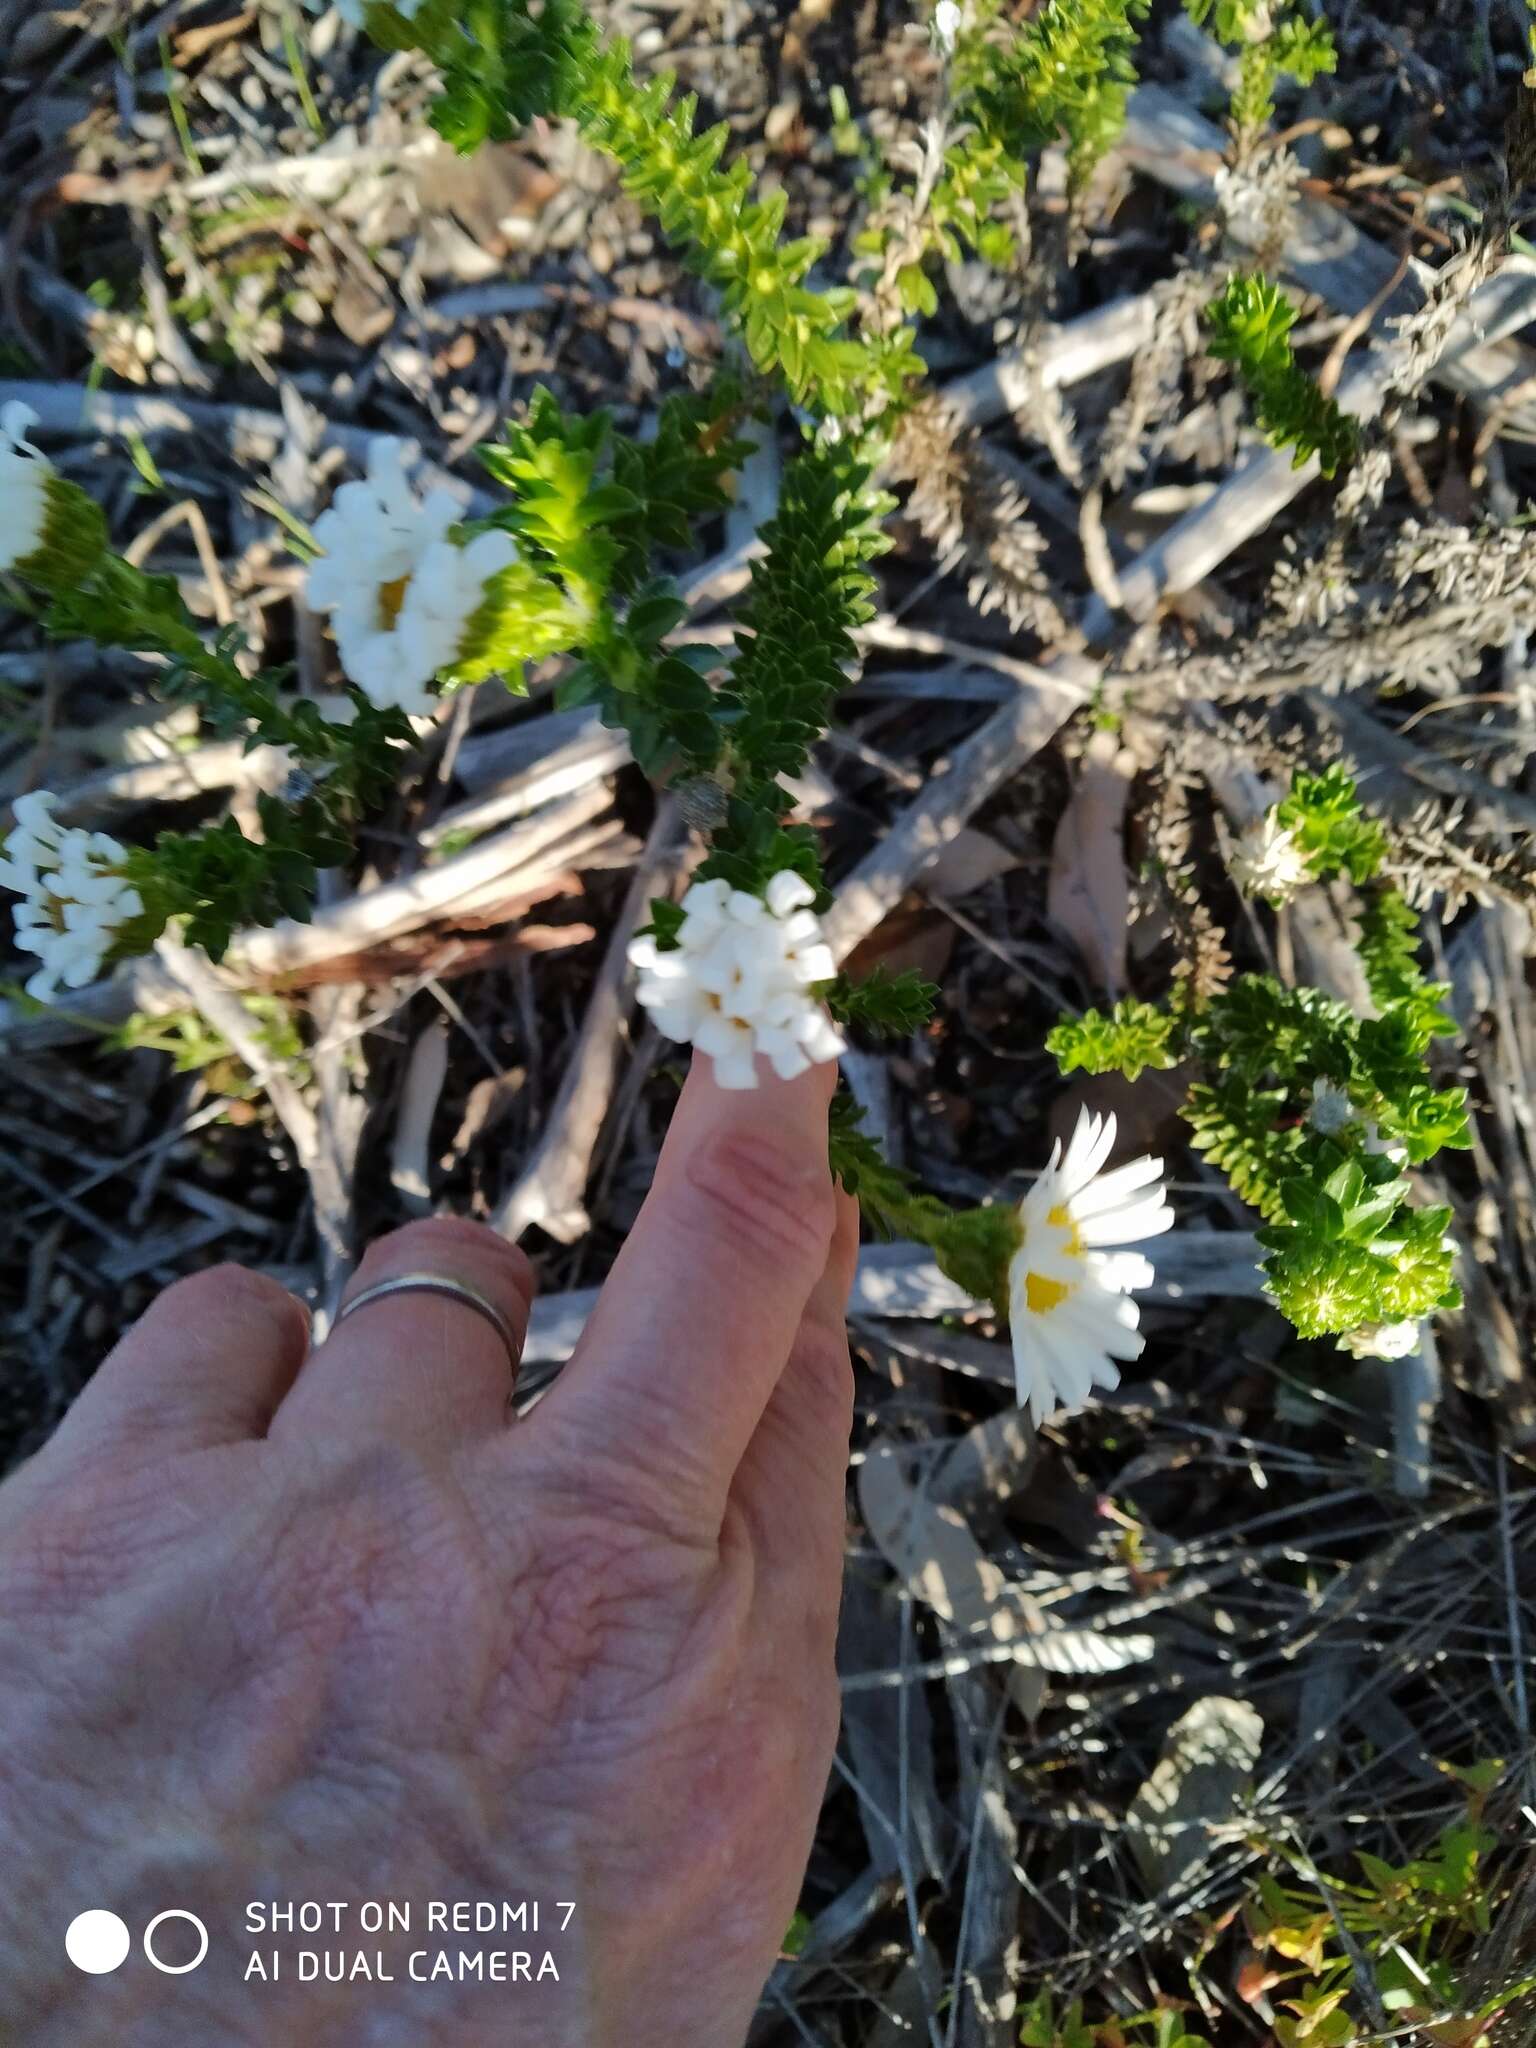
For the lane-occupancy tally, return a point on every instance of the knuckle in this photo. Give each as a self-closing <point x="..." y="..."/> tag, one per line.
<point x="765" y="1196"/>
<point x="229" y="1290"/>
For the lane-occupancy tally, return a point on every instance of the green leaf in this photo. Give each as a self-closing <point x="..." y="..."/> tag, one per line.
<point x="893" y="1005"/>
<point x="1131" y="1038"/>
<point x="1250" y="327"/>
<point x="1314" y="1209"/>
<point x="1323" y="814"/>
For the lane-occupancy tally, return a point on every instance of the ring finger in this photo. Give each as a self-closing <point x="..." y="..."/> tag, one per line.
<point x="413" y="1364"/>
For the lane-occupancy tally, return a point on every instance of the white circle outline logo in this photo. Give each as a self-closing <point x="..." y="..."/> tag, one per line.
<point x="175" y="1969"/>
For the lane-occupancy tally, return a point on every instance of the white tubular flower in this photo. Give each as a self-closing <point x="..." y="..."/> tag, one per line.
<point x="50" y="531"/>
<point x="945" y="27"/>
<point x="24" y="475"/>
<point x="1383" y="1340"/>
<point x="1268" y="862"/>
<point x="401" y="594"/>
<point x="1070" y="1313"/>
<point x="75" y="899"/>
<point x="740" y="982"/>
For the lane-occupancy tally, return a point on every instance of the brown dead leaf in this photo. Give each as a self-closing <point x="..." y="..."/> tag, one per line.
<point x="1089" y="891"/>
<point x="1146" y="1109"/>
<point x="915" y="936"/>
<point x="970" y="859"/>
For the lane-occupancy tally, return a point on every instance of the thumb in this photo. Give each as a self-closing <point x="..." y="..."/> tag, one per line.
<point x="696" y="1322"/>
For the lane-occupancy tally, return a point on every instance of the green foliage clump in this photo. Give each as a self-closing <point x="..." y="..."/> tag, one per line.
<point x="1131" y="1038"/>
<point x="1043" y="2025"/>
<point x="794" y="641"/>
<point x="1310" y="1110"/>
<point x="894" y="1005"/>
<point x="1064" y="75"/>
<point x="1277" y="39"/>
<point x="218" y="879"/>
<point x="1411" y="1933"/>
<point x="1250" y="328"/>
<point x="1323" y="815"/>
<point x="731" y="239"/>
<point x="502" y="63"/>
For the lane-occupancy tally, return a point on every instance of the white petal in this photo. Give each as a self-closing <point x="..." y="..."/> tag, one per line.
<point x="1091" y="1144"/>
<point x="1148" y="1218"/>
<point x="788" y="892"/>
<point x="736" y="1071"/>
<point x="1107" y="1190"/>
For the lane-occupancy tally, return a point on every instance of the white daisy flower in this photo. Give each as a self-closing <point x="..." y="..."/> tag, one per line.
<point x="1071" y="1315"/>
<point x="1382" y="1340"/>
<point x="401" y="593"/>
<point x="739" y="983"/>
<point x="1268" y="862"/>
<point x="75" y="898"/>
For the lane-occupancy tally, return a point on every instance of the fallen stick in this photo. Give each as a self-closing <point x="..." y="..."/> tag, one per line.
<point x="1062" y="355"/>
<point x="498" y="869"/>
<point x="1178" y="148"/>
<point x="904" y="1280"/>
<point x="244" y="429"/>
<point x="549" y="1190"/>
<point x="394" y="908"/>
<point x="999" y="747"/>
<point x="590" y="754"/>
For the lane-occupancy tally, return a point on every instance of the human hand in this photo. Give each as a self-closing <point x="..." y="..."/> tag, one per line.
<point x="285" y="1628"/>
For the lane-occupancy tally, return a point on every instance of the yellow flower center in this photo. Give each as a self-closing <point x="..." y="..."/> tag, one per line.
<point x="392" y="597"/>
<point x="1041" y="1294"/>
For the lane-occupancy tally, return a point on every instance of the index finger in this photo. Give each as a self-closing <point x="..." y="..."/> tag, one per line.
<point x="694" y="1327"/>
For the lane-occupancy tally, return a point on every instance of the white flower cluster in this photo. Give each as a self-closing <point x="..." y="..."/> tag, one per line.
<point x="740" y="980"/>
<point x="74" y="897"/>
<point x="1268" y="862"/>
<point x="24" y="475"/>
<point x="1070" y="1311"/>
<point x="401" y="594"/>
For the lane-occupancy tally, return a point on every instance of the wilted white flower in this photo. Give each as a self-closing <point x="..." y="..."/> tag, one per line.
<point x="401" y="594"/>
<point x="1268" y="862"/>
<point x="24" y="478"/>
<point x="1331" y="1108"/>
<point x="945" y="27"/>
<point x="1256" y="200"/>
<point x="1382" y="1340"/>
<point x="740" y="980"/>
<point x="75" y="898"/>
<point x="1070" y="1309"/>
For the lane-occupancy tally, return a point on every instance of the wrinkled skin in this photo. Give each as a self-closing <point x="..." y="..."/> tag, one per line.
<point x="283" y="1627"/>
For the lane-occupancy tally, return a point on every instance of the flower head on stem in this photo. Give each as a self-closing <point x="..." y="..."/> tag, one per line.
<point x="401" y="593"/>
<point x="1071" y="1314"/>
<point x="741" y="980"/>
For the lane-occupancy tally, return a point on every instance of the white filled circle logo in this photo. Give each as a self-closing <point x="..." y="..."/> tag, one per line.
<point x="97" y="1942"/>
<point x="175" y="1969"/>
